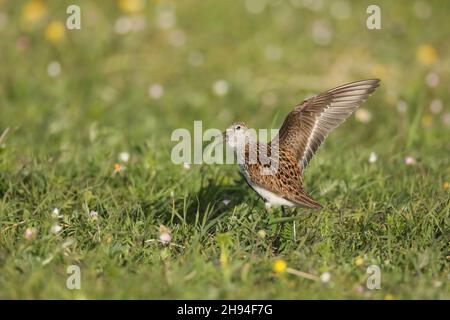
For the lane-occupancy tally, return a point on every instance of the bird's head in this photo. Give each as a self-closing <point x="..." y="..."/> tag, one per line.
<point x="237" y="135"/>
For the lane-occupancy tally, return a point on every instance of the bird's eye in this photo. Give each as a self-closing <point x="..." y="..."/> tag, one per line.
<point x="238" y="127"/>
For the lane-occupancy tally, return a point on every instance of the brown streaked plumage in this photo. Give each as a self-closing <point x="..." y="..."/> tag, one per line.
<point x="299" y="138"/>
<point x="286" y="181"/>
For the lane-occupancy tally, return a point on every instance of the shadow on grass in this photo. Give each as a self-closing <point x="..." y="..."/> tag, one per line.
<point x="201" y="209"/>
<point x="214" y="199"/>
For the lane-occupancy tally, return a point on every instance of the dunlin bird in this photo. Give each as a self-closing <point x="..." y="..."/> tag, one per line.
<point x="274" y="170"/>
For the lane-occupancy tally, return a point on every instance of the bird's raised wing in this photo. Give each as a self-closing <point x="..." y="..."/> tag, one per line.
<point x="307" y="126"/>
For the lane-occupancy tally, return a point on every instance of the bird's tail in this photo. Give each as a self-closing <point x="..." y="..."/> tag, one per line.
<point x="305" y="200"/>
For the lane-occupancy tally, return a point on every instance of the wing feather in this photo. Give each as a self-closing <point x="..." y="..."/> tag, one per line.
<point x="307" y="126"/>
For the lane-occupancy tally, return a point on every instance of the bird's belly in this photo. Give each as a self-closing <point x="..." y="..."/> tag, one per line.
<point x="270" y="197"/>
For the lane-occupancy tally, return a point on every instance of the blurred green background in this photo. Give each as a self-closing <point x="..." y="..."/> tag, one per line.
<point x="87" y="115"/>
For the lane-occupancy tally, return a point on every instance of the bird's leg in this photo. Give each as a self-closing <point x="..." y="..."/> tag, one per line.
<point x="270" y="228"/>
<point x="279" y="226"/>
<point x="274" y="227"/>
<point x="255" y="203"/>
<point x="293" y="223"/>
<point x="269" y="212"/>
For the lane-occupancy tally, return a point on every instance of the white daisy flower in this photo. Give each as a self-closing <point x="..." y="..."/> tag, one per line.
<point x="436" y="106"/>
<point x="363" y="115"/>
<point x="56" y="228"/>
<point x="156" y="91"/>
<point x="409" y="160"/>
<point x="262" y="234"/>
<point x="373" y="157"/>
<point x="123" y="25"/>
<point x="402" y="106"/>
<point x="54" y="69"/>
<point x="321" y="33"/>
<point x="29" y="234"/>
<point x="124" y="156"/>
<point x="220" y="87"/>
<point x="55" y="213"/>
<point x="325" y="277"/>
<point x="93" y="214"/>
<point x="446" y="118"/>
<point x="165" y="237"/>
<point x="432" y="79"/>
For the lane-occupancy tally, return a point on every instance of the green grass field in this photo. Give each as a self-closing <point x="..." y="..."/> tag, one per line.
<point x="71" y="101"/>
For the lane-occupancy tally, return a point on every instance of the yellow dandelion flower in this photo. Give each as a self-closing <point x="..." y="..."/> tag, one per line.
<point x="108" y="238"/>
<point x="389" y="297"/>
<point x="33" y="11"/>
<point x="426" y="54"/>
<point x="55" y="32"/>
<point x="279" y="266"/>
<point x="131" y="6"/>
<point x="446" y="185"/>
<point x="117" y="168"/>
<point x="426" y="121"/>
<point x="359" y="261"/>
